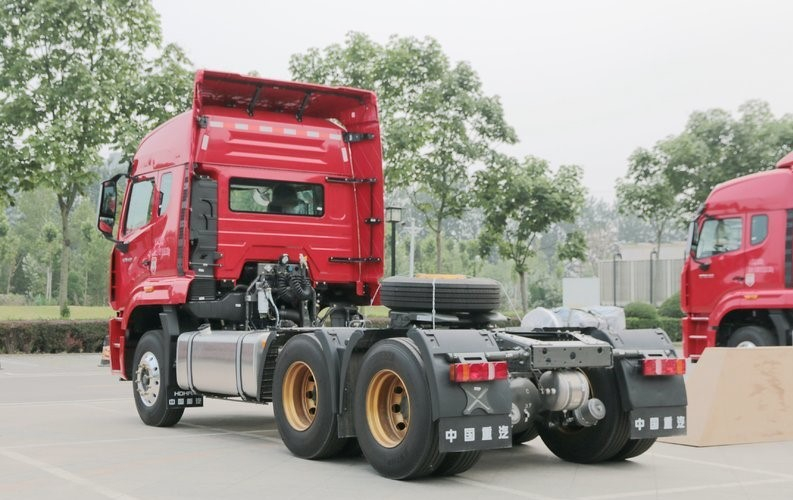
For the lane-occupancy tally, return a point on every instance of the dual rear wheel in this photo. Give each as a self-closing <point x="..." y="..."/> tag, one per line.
<point x="608" y="440"/>
<point x="391" y="410"/>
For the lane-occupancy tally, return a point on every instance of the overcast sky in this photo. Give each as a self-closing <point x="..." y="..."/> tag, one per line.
<point x="582" y="82"/>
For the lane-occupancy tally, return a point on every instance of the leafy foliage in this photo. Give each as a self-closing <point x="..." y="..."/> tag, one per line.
<point x="641" y="310"/>
<point x="70" y="84"/>
<point x="523" y="199"/>
<point x="52" y="336"/>
<point x="647" y="192"/>
<point x="437" y="122"/>
<point x="670" y="308"/>
<point x="715" y="147"/>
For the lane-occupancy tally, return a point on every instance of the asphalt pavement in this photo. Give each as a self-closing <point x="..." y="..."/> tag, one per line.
<point x="69" y="430"/>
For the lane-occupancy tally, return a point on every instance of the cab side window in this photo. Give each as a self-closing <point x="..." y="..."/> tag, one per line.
<point x="139" y="210"/>
<point x="276" y="197"/>
<point x="759" y="229"/>
<point x="719" y="236"/>
<point x="165" y="192"/>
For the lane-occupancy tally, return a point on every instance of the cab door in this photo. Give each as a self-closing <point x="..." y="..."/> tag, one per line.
<point x="719" y="263"/>
<point x="133" y="265"/>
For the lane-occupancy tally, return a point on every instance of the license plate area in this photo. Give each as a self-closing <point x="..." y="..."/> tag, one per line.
<point x="184" y="399"/>
<point x="478" y="432"/>
<point x="658" y="422"/>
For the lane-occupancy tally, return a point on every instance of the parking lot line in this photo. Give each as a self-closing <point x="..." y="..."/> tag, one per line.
<point x="499" y="489"/>
<point x="685" y="489"/>
<point x="65" y="475"/>
<point x="787" y="477"/>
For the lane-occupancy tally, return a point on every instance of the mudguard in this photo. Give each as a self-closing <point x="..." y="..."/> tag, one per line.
<point x="636" y="390"/>
<point x="449" y="400"/>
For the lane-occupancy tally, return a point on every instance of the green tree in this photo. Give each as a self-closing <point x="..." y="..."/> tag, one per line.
<point x="437" y="122"/>
<point x="35" y="225"/>
<point x="647" y="192"/>
<point x="72" y="78"/>
<point x="522" y="200"/>
<point x="715" y="147"/>
<point x="10" y="251"/>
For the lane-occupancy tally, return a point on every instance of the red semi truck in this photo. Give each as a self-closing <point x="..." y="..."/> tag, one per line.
<point x="250" y="231"/>
<point x="737" y="281"/>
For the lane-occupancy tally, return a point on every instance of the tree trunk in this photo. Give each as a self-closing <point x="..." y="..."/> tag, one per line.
<point x="16" y="262"/>
<point x="524" y="299"/>
<point x="48" y="291"/>
<point x="438" y="250"/>
<point x="63" y="288"/>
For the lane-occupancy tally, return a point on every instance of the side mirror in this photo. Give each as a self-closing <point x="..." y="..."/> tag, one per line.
<point x="106" y="215"/>
<point x="106" y="220"/>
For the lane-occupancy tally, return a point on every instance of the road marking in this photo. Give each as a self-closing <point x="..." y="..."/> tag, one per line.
<point x="499" y="489"/>
<point x="48" y="374"/>
<point x="59" y="403"/>
<point x="220" y="430"/>
<point x="780" y="478"/>
<point x="66" y="475"/>
<point x="684" y="489"/>
<point x="788" y="477"/>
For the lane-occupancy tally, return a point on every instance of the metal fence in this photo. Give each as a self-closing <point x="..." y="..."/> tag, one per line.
<point x="633" y="280"/>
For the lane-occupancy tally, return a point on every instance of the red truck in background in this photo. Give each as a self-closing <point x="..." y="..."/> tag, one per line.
<point x="737" y="281"/>
<point x="250" y="231"/>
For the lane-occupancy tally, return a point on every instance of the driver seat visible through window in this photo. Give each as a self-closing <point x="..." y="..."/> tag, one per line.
<point x="285" y="201"/>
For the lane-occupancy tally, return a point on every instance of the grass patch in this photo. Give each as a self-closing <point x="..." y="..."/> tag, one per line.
<point x="8" y="313"/>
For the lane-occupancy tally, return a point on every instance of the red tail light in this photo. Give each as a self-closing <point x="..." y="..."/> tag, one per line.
<point x="478" y="372"/>
<point x="664" y="366"/>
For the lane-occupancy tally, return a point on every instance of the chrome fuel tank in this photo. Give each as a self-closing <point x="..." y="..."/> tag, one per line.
<point x="221" y="361"/>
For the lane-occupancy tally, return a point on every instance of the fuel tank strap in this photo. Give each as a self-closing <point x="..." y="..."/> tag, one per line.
<point x="190" y="360"/>
<point x="238" y="367"/>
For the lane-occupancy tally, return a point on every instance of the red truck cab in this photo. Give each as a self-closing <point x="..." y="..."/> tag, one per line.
<point x="259" y="174"/>
<point x="737" y="281"/>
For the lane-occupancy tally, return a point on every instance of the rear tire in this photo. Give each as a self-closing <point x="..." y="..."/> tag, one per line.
<point x="633" y="448"/>
<point x="751" y="336"/>
<point x="602" y="441"/>
<point x="457" y="463"/>
<point x="526" y="435"/>
<point x="392" y="412"/>
<point x="302" y="400"/>
<point x="149" y="382"/>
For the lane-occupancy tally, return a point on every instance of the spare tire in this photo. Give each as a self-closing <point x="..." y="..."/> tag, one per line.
<point x="451" y="295"/>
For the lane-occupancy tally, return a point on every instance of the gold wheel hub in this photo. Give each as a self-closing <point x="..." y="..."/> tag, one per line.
<point x="388" y="408"/>
<point x="300" y="396"/>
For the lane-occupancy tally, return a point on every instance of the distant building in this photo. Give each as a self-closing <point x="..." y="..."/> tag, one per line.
<point x="633" y="273"/>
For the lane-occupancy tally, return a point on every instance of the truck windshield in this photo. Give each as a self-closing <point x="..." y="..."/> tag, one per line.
<point x="719" y="236"/>
<point x="275" y="197"/>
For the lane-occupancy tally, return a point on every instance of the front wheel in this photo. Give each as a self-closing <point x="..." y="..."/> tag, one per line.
<point x="751" y="336"/>
<point x="597" y="443"/>
<point x="149" y="383"/>
<point x="392" y="412"/>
